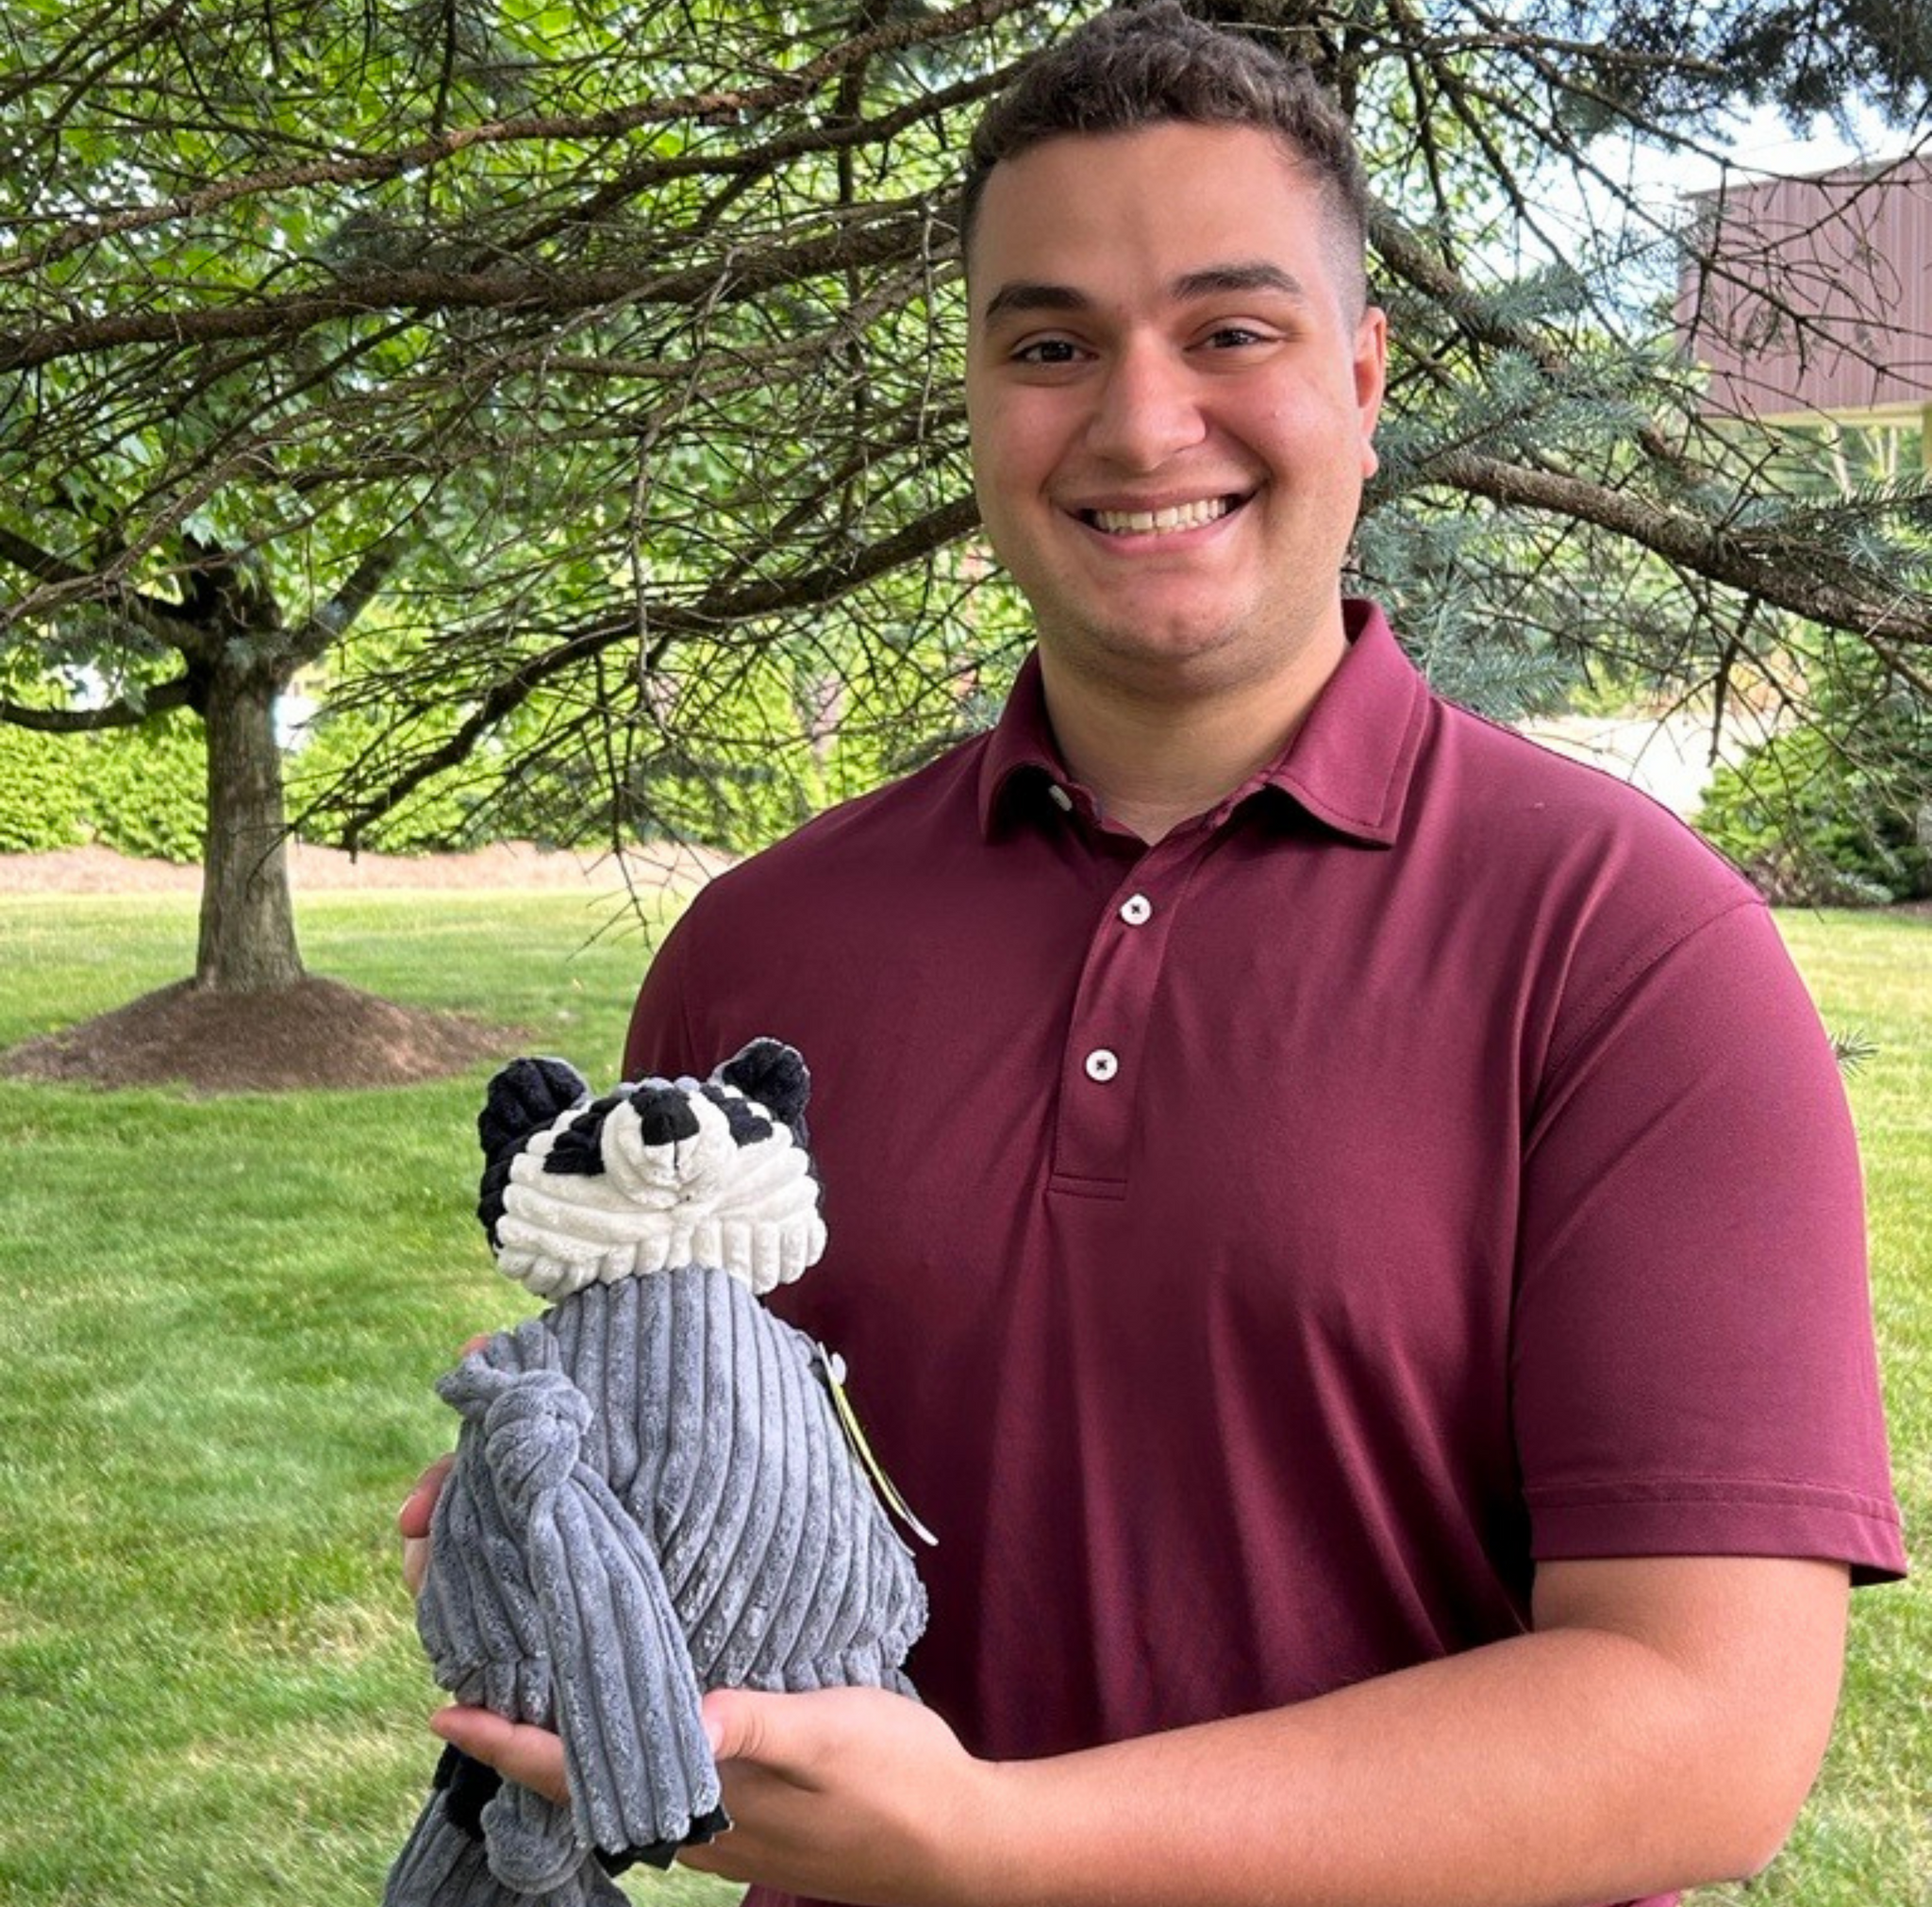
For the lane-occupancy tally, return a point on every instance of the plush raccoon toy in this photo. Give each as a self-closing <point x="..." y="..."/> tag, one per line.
<point x="654" y="1492"/>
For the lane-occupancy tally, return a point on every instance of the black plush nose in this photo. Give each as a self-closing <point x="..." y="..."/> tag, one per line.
<point x="664" y="1115"/>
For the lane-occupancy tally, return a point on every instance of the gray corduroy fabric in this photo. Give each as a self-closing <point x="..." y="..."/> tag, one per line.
<point x="651" y="1496"/>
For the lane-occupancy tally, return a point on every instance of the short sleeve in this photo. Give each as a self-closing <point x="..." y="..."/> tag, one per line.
<point x="1692" y="1361"/>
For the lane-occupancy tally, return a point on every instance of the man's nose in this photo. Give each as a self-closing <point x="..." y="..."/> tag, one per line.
<point x="1147" y="409"/>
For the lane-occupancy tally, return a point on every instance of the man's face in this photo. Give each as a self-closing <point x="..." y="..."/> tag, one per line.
<point x="1172" y="401"/>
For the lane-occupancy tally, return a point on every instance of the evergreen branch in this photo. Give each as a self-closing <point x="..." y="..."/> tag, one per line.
<point x="1725" y="555"/>
<point x="749" y="103"/>
<point x="760" y="161"/>
<point x="1445" y="287"/>
<point x="743" y="275"/>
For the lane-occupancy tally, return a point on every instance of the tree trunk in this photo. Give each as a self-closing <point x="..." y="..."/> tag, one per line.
<point x="247" y="915"/>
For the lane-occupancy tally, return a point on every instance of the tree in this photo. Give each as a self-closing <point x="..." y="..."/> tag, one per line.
<point x="600" y="364"/>
<point x="299" y="313"/>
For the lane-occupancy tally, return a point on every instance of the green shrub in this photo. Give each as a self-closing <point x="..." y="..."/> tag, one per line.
<point x="1819" y="820"/>
<point x="144" y="790"/>
<point x="39" y="791"/>
<point x="138" y="790"/>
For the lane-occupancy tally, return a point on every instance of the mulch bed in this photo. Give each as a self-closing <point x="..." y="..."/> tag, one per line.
<point x="317" y="1033"/>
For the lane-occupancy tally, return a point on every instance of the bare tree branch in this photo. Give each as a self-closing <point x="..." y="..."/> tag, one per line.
<point x="325" y="624"/>
<point x="817" y="589"/>
<point x="177" y="693"/>
<point x="148" y="618"/>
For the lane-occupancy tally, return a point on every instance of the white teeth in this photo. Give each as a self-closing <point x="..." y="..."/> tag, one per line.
<point x="1161" y="522"/>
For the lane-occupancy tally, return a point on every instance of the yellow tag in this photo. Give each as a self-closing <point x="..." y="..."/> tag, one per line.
<point x="831" y="1367"/>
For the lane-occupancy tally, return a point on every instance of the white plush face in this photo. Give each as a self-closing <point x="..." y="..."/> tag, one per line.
<point x="655" y="1176"/>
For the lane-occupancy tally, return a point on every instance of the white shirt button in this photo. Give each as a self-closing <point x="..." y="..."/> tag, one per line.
<point x="1137" y="909"/>
<point x="1102" y="1065"/>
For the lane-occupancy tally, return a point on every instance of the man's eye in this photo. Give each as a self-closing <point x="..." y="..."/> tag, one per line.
<point x="1233" y="337"/>
<point x="1046" y="351"/>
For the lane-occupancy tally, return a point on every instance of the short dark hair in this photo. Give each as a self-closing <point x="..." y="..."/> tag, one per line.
<point x="1137" y="66"/>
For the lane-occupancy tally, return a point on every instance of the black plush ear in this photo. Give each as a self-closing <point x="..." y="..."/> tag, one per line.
<point x="771" y="1073"/>
<point x="526" y="1094"/>
<point x="523" y="1098"/>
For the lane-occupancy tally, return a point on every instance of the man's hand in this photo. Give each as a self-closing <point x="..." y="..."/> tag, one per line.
<point x="1657" y="1731"/>
<point x="847" y="1794"/>
<point x="516" y="1750"/>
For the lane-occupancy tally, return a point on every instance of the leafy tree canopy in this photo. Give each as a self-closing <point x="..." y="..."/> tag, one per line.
<point x="581" y="385"/>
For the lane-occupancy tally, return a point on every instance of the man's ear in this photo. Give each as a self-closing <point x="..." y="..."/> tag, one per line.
<point x="1370" y="381"/>
<point x="771" y="1073"/>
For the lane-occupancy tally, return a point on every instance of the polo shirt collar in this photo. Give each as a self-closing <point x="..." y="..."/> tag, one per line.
<point x="1349" y="765"/>
<point x="1021" y="754"/>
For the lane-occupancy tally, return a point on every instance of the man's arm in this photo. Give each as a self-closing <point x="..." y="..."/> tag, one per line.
<point x="1659" y="1728"/>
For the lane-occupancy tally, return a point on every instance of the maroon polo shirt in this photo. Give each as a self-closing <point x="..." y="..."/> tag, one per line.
<point x="1253" y="1253"/>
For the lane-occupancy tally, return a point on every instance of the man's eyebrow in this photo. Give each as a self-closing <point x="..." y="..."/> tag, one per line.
<point x="1213" y="282"/>
<point x="1025" y="294"/>
<point x="1210" y="281"/>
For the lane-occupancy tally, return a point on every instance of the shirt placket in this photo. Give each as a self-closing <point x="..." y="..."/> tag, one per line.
<point x="1103" y="1065"/>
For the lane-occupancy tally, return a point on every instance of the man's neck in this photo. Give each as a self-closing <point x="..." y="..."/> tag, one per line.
<point x="1154" y="756"/>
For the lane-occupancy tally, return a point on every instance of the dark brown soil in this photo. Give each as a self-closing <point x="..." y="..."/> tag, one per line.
<point x="315" y="1033"/>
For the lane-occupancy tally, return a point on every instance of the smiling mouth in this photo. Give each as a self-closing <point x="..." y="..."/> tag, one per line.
<point x="1168" y="522"/>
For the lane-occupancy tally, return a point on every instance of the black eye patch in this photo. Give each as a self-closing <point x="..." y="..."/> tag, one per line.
<point x="746" y="1124"/>
<point x="576" y="1149"/>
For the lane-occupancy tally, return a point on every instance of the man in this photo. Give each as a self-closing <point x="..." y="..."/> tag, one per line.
<point x="1345" y="1226"/>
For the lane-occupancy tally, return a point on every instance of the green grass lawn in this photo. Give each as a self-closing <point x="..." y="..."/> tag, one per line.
<point x="224" y="1316"/>
<point x="223" y="1320"/>
<point x="1865" y="1840"/>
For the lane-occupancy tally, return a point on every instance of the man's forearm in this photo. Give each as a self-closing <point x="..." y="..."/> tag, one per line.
<point x="1556" y="1768"/>
<point x="1576" y="1764"/>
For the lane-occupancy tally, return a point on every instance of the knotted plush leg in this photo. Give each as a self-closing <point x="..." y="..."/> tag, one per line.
<point x="533" y="1849"/>
<point x="527" y="1862"/>
<point x="641" y="1778"/>
<point x="442" y="1865"/>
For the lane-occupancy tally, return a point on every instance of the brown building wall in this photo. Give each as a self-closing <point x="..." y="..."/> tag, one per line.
<point x="1814" y="296"/>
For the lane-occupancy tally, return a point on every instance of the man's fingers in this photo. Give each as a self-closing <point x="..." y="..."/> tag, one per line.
<point x="520" y="1753"/>
<point x="419" y="1508"/>
<point x="412" y="1520"/>
<point x="415" y="1564"/>
<point x="791" y="1736"/>
<point x="737" y="1726"/>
